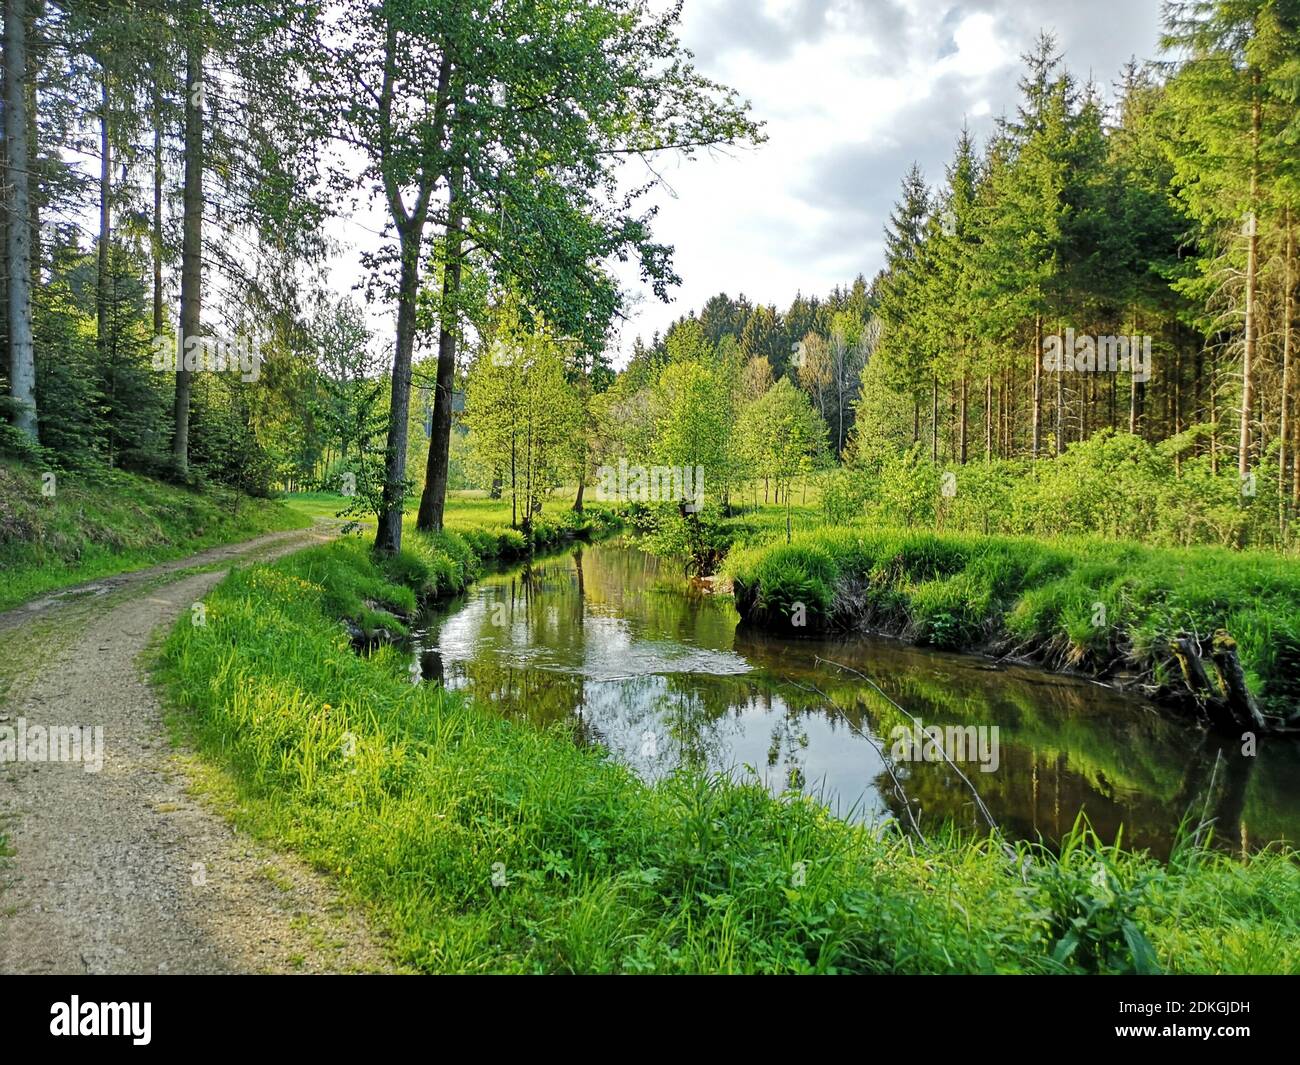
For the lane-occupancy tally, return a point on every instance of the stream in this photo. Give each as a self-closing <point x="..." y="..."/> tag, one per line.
<point x="618" y="643"/>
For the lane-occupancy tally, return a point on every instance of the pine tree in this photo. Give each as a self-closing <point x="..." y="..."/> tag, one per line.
<point x="902" y="350"/>
<point x="1231" y="125"/>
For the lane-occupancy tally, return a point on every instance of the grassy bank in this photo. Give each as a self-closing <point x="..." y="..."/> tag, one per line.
<point x="99" y="523"/>
<point x="439" y="565"/>
<point x="1089" y="605"/>
<point x="483" y="844"/>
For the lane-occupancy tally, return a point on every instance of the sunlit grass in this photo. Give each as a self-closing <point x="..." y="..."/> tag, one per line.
<point x="1078" y="602"/>
<point x="469" y="508"/>
<point x="104" y="522"/>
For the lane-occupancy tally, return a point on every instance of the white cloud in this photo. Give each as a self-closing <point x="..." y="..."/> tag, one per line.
<point x="980" y="50"/>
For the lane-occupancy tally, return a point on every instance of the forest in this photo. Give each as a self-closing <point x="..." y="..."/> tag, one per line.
<point x="1161" y="212"/>
<point x="546" y="641"/>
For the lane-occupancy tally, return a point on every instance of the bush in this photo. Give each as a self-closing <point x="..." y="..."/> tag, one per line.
<point x="700" y="538"/>
<point x="1094" y="896"/>
<point x="1113" y="485"/>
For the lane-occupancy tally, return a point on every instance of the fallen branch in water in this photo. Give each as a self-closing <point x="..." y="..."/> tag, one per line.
<point x="1228" y="705"/>
<point x="898" y="784"/>
<point x="917" y="721"/>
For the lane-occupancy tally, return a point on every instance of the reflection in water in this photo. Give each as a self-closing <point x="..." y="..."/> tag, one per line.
<point x="616" y="643"/>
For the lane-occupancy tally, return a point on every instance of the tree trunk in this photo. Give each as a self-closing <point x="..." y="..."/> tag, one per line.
<point x="1088" y="406"/>
<point x="157" y="213"/>
<point x="102" y="273"/>
<point x="1288" y="327"/>
<point x="934" y="419"/>
<point x="1178" y="399"/>
<point x="1135" y="396"/>
<point x="1198" y="374"/>
<point x="1037" y="417"/>
<point x="988" y="417"/>
<point x="5" y="207"/>
<point x="388" y="535"/>
<point x="1060" y="412"/>
<point x="1241" y="702"/>
<point x="1252" y="281"/>
<point x="839" y="405"/>
<point x="22" y="363"/>
<point x="1003" y="450"/>
<point x="1214" y="426"/>
<point x="433" y="499"/>
<point x="105" y="223"/>
<point x="35" y="9"/>
<point x="962" y="430"/>
<point x="191" y="241"/>
<point x="528" y="479"/>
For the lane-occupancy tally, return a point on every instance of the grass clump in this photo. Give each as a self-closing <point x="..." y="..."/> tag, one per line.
<point x="1084" y="604"/>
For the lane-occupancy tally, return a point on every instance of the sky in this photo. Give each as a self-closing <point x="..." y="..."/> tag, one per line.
<point x="852" y="92"/>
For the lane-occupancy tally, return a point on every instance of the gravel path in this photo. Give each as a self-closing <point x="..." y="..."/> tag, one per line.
<point x="256" y="548"/>
<point x="127" y="870"/>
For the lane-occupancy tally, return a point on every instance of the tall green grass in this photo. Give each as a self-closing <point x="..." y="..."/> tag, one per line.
<point x="963" y="592"/>
<point x="486" y="845"/>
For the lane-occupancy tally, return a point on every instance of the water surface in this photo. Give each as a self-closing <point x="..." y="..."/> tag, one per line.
<point x="619" y="643"/>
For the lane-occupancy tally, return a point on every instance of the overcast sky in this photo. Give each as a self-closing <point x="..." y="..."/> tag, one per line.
<point x="852" y="91"/>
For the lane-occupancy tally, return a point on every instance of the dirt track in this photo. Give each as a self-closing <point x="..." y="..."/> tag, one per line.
<point x="128" y="870"/>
